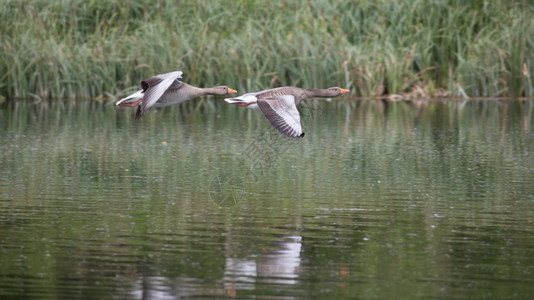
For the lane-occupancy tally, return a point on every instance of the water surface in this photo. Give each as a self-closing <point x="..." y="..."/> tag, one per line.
<point x="378" y="200"/>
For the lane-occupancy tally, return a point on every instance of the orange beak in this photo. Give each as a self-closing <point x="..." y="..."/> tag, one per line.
<point x="231" y="91"/>
<point x="344" y="91"/>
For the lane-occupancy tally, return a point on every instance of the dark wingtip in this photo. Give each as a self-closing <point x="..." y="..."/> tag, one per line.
<point x="144" y="85"/>
<point x="138" y="114"/>
<point x="302" y="135"/>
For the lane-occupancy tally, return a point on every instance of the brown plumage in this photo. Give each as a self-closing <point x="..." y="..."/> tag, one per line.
<point x="278" y="105"/>
<point x="165" y="90"/>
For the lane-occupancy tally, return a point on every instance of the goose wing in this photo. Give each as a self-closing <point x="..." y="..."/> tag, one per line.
<point x="282" y="113"/>
<point x="155" y="87"/>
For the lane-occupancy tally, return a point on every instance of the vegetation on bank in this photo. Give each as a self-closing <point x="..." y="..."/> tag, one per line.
<point x="416" y="48"/>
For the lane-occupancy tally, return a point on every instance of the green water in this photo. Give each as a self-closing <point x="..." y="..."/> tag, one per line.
<point x="205" y="200"/>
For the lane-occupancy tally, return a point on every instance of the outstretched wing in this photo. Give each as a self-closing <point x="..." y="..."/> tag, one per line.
<point x="282" y="113"/>
<point x="155" y="87"/>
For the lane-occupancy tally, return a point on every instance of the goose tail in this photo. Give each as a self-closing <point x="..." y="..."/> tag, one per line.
<point x="244" y="101"/>
<point x="131" y="101"/>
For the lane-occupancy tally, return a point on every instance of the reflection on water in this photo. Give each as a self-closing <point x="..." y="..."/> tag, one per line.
<point x="378" y="200"/>
<point x="279" y="267"/>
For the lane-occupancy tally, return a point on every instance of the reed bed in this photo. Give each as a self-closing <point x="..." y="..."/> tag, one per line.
<point x="409" y="48"/>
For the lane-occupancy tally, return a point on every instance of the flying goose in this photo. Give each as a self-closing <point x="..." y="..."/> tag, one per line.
<point x="279" y="105"/>
<point x="167" y="89"/>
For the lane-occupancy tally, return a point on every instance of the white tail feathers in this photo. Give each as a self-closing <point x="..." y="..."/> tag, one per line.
<point x="233" y="100"/>
<point x="131" y="99"/>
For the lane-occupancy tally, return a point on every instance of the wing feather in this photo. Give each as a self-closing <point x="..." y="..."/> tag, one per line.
<point x="155" y="87"/>
<point x="282" y="113"/>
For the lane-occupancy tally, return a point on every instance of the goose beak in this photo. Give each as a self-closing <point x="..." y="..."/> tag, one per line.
<point x="344" y="91"/>
<point x="231" y="91"/>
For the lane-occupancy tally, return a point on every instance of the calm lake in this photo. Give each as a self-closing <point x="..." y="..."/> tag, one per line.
<point x="386" y="200"/>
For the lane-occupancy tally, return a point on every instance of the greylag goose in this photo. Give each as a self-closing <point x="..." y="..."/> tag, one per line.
<point x="279" y="105"/>
<point x="167" y="89"/>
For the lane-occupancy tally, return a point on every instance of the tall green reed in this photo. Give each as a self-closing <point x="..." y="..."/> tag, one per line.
<point x="86" y="49"/>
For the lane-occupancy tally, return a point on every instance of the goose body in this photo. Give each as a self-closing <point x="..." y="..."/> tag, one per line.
<point x="279" y="105"/>
<point x="165" y="90"/>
